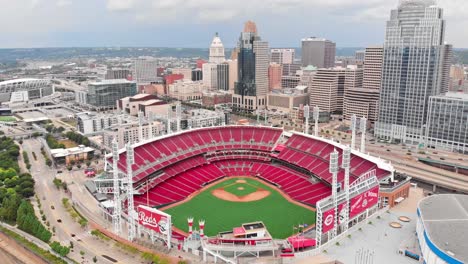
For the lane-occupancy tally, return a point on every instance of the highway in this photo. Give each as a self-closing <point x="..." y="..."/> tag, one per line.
<point x="408" y="164"/>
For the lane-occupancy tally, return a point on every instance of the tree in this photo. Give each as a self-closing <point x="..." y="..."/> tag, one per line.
<point x="65" y="186"/>
<point x="28" y="222"/>
<point x="8" y="211"/>
<point x="57" y="183"/>
<point x="94" y="259"/>
<point x="61" y="250"/>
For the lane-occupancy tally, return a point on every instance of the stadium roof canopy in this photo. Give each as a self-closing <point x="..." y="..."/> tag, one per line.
<point x="445" y="219"/>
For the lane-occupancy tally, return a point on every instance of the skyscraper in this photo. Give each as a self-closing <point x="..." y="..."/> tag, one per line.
<point x="327" y="89"/>
<point x="275" y="71"/>
<point x="233" y="74"/>
<point x="372" y="78"/>
<point x="362" y="100"/>
<point x="282" y="56"/>
<point x="210" y="75"/>
<point x="216" y="50"/>
<point x="253" y="60"/>
<point x="318" y="52"/>
<point x="145" y="71"/>
<point x="222" y="72"/>
<point x="415" y="66"/>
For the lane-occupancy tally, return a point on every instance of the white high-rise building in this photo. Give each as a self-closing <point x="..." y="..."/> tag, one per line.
<point x="216" y="50"/>
<point x="210" y="75"/>
<point x="145" y="71"/>
<point x="282" y="56"/>
<point x="415" y="67"/>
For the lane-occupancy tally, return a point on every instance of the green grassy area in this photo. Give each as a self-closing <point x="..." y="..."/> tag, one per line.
<point x="278" y="214"/>
<point x="68" y="143"/>
<point x="7" y="119"/>
<point x="241" y="189"/>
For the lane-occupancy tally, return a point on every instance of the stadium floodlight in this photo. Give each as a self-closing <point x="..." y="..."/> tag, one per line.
<point x="117" y="213"/>
<point x="353" y="130"/>
<point x="306" y="116"/>
<point x="132" y="214"/>
<point x="363" y="133"/>
<point x="316" y="119"/>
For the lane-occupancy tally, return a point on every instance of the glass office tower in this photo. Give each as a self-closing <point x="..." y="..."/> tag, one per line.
<point x="415" y="66"/>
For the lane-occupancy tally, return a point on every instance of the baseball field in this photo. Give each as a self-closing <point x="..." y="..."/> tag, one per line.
<point x="234" y="201"/>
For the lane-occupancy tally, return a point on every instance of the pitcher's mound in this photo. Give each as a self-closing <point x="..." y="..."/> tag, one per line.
<point x="241" y="181"/>
<point x="227" y="196"/>
<point x="240" y="188"/>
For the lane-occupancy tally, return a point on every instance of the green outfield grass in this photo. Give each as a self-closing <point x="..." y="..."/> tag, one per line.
<point x="278" y="214"/>
<point x="7" y="119"/>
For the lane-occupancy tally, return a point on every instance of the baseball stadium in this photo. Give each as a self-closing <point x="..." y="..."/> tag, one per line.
<point x="232" y="176"/>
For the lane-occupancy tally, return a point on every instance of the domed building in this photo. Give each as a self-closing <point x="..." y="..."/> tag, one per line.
<point x="216" y="50"/>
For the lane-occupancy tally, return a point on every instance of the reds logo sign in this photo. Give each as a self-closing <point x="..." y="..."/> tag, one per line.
<point x="153" y="220"/>
<point x="329" y="220"/>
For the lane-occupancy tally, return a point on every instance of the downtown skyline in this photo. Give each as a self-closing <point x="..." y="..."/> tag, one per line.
<point x="191" y="24"/>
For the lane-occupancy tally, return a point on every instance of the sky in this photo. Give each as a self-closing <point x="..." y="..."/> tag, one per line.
<point x="192" y="23"/>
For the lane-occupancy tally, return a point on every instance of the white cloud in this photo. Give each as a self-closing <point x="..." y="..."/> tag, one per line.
<point x="64" y="3"/>
<point x="44" y="18"/>
<point x="120" y="5"/>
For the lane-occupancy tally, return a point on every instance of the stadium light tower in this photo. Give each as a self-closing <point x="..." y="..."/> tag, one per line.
<point x="353" y="130"/>
<point x="346" y="166"/>
<point x="316" y="118"/>
<point x="169" y="129"/>
<point x="334" y="171"/>
<point x="178" y="115"/>
<point x="258" y="117"/>
<point x="117" y="213"/>
<point x="132" y="214"/>
<point x="307" y="116"/>
<point x="141" y="120"/>
<point x="363" y="133"/>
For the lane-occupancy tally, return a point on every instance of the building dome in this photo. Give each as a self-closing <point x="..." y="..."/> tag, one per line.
<point x="250" y="27"/>
<point x="216" y="43"/>
<point x="217" y="50"/>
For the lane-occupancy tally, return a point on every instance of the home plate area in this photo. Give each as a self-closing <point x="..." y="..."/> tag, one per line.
<point x="240" y="191"/>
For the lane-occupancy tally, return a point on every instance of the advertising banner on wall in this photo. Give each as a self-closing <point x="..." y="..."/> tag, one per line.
<point x="363" y="201"/>
<point x="328" y="218"/>
<point x="155" y="220"/>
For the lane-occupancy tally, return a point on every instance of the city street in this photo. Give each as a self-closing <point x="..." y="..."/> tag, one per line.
<point x="66" y="228"/>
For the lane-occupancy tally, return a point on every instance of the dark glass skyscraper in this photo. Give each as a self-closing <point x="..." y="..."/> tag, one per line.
<point x="253" y="59"/>
<point x="246" y="64"/>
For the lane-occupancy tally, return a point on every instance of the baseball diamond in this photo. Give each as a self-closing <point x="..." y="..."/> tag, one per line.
<point x="222" y="213"/>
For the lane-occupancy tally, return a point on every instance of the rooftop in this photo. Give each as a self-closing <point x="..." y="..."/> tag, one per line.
<point x="310" y="68"/>
<point x="153" y="102"/>
<point x="112" y="81"/>
<point x="445" y="218"/>
<point x="21" y="80"/>
<point x="453" y="95"/>
<point x="56" y="153"/>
